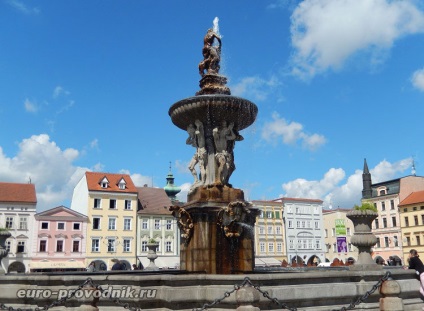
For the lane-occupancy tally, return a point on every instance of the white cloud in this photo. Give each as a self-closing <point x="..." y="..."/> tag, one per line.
<point x="418" y="79"/>
<point x="140" y="180"/>
<point x="50" y="168"/>
<point x="30" y="106"/>
<point x="255" y="88"/>
<point x="347" y="194"/>
<point x="182" y="196"/>
<point x="325" y="33"/>
<point x="18" y="5"/>
<point x="290" y="132"/>
<point x="58" y="91"/>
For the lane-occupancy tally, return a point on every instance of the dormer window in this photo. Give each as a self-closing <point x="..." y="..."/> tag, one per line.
<point x="382" y="191"/>
<point x="104" y="183"/>
<point x="122" y="184"/>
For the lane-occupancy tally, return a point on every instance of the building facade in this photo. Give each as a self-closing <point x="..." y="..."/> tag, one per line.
<point x="17" y="209"/>
<point x="110" y="203"/>
<point x="156" y="222"/>
<point x="60" y="241"/>
<point x="304" y="230"/>
<point x="386" y="197"/>
<point x="412" y="223"/>
<point x="338" y="230"/>
<point x="270" y="247"/>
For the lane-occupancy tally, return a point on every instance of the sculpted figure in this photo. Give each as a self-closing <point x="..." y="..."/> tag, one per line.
<point x="211" y="54"/>
<point x="231" y="217"/>
<point x="223" y="155"/>
<point x="196" y="138"/>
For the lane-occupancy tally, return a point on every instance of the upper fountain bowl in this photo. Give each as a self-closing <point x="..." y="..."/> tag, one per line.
<point x="212" y="110"/>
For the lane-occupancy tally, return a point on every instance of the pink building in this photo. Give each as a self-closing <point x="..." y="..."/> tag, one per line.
<point x="60" y="240"/>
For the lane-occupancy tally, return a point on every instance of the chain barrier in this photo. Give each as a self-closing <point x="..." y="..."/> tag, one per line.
<point x="246" y="282"/>
<point x="367" y="294"/>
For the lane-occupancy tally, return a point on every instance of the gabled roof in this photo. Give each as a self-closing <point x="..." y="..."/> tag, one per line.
<point x="17" y="193"/>
<point x="153" y="201"/>
<point x="413" y="198"/>
<point x="60" y="209"/>
<point x="94" y="179"/>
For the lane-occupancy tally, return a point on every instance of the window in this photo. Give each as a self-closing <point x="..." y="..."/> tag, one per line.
<point x="418" y="240"/>
<point x="157" y="224"/>
<point x="408" y="241"/>
<point x="262" y="247"/>
<point x="396" y="241"/>
<point x="95" y="245"/>
<point x="382" y="192"/>
<point x="145" y="224"/>
<point x="271" y="247"/>
<point x="168" y="224"/>
<point x="348" y="232"/>
<point x="9" y="223"/>
<point x="121" y="184"/>
<point x="261" y="230"/>
<point x="269" y="215"/>
<point x="279" y="247"/>
<point x="75" y="246"/>
<point x="326" y="233"/>
<point x="317" y="244"/>
<point x="168" y="246"/>
<point x="261" y="214"/>
<point x="277" y="230"/>
<point x="416" y="220"/>
<point x="127" y="245"/>
<point x="298" y="224"/>
<point x="405" y="210"/>
<point x="376" y="223"/>
<point x="59" y="246"/>
<point x="127" y="204"/>
<point x="414" y="208"/>
<point x="21" y="247"/>
<point x="333" y="232"/>
<point x="76" y="226"/>
<point x="406" y="221"/>
<point x="96" y="223"/>
<point x="144" y="246"/>
<point x="303" y="224"/>
<point x="290" y="224"/>
<point x="378" y="243"/>
<point x="269" y="229"/>
<point x="97" y="203"/>
<point x="384" y="222"/>
<point x="112" y="224"/>
<point x="394" y="221"/>
<point x="386" y="241"/>
<point x="8" y="245"/>
<point x="23" y="224"/>
<point x="43" y="246"/>
<point x="310" y="244"/>
<point x="334" y="248"/>
<point x="291" y="244"/>
<point x="60" y="226"/>
<point x="392" y="204"/>
<point x="297" y="210"/>
<point x="110" y="245"/>
<point x="350" y="247"/>
<point x="112" y="204"/>
<point x="127" y="224"/>
<point x="383" y="206"/>
<point x="316" y="225"/>
<point x="422" y="219"/>
<point x="277" y="215"/>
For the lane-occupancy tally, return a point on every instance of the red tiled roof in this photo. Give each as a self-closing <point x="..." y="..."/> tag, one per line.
<point x="413" y="198"/>
<point x="153" y="201"/>
<point x="19" y="193"/>
<point x="94" y="178"/>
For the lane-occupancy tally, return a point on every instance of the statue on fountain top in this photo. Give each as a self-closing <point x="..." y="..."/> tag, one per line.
<point x="211" y="54"/>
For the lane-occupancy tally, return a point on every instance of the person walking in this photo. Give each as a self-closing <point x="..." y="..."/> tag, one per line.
<point x="416" y="263"/>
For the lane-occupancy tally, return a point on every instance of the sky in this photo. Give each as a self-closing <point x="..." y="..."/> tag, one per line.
<point x="87" y="85"/>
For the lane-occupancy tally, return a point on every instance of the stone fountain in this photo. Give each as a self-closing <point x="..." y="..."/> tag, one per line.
<point x="216" y="223"/>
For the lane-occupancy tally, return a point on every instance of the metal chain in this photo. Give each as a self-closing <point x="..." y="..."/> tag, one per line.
<point x="367" y="294"/>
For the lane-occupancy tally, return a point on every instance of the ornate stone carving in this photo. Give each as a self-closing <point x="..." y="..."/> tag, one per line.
<point x="184" y="222"/>
<point x="232" y="218"/>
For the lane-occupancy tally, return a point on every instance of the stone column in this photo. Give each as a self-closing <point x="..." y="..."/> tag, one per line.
<point x="390" y="292"/>
<point x="246" y="297"/>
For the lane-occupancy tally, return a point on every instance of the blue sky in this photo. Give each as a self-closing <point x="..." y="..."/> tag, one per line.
<point x="86" y="85"/>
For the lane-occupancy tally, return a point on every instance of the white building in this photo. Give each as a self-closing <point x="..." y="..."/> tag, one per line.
<point x="304" y="230"/>
<point x="17" y="209"/>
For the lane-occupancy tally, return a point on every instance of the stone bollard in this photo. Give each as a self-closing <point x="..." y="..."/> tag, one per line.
<point x="390" y="301"/>
<point x="89" y="306"/>
<point x="246" y="297"/>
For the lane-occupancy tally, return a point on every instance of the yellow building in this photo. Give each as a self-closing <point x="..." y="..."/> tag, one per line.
<point x="411" y="211"/>
<point x="337" y="227"/>
<point x="110" y="202"/>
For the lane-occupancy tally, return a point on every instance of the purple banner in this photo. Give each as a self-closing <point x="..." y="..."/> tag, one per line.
<point x="341" y="244"/>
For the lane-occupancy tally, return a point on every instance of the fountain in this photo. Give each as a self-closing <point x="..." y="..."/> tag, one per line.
<point x="213" y="235"/>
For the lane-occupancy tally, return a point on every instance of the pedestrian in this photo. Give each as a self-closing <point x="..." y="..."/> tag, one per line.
<point x="416" y="263"/>
<point x="91" y="267"/>
<point x="118" y="265"/>
<point x="135" y="267"/>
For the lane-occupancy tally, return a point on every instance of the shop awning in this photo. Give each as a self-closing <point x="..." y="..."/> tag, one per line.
<point x="56" y="265"/>
<point x="267" y="262"/>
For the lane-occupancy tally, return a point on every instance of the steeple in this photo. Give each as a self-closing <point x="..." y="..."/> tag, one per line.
<point x="366" y="182"/>
<point x="170" y="189"/>
<point x="413" y="171"/>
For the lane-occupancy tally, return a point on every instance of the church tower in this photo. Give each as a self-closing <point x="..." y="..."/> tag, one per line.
<point x="366" y="182"/>
<point x="170" y="189"/>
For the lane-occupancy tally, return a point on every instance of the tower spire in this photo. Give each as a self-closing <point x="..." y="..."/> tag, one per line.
<point x="170" y="189"/>
<point x="366" y="182"/>
<point x="413" y="171"/>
